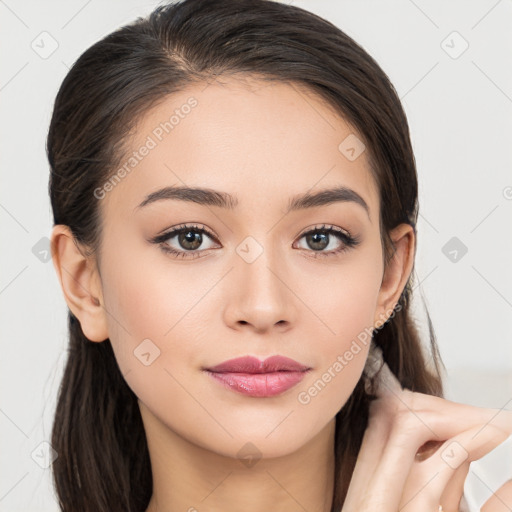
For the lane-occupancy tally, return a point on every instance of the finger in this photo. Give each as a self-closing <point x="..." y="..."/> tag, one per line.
<point x="370" y="453"/>
<point x="454" y="490"/>
<point x="450" y="498"/>
<point x="433" y="411"/>
<point x="468" y="414"/>
<point x="436" y="479"/>
<point x="388" y="387"/>
<point x="382" y="484"/>
<point x="379" y="466"/>
<point x="384" y="469"/>
<point x="376" y="433"/>
<point x="500" y="418"/>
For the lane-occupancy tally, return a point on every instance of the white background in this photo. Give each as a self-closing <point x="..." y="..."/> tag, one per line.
<point x="460" y="116"/>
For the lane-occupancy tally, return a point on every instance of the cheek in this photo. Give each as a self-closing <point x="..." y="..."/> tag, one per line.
<point x="347" y="306"/>
<point x="153" y="329"/>
<point x="345" y="296"/>
<point x="148" y="306"/>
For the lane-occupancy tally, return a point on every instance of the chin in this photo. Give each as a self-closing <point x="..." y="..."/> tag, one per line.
<point x="255" y="444"/>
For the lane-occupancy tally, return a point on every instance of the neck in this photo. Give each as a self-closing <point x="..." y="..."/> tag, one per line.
<point x="188" y="477"/>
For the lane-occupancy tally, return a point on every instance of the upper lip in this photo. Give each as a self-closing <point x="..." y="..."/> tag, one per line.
<point x="249" y="364"/>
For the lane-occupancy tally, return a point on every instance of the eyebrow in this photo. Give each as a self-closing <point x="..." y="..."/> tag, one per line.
<point x="206" y="196"/>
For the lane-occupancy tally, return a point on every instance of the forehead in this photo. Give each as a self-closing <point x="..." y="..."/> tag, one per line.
<point x="258" y="140"/>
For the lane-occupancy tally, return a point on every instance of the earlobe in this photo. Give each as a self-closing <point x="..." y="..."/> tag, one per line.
<point x="80" y="283"/>
<point x="397" y="272"/>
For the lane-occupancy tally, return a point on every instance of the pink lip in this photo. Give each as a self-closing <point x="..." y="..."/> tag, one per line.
<point x="249" y="364"/>
<point x="250" y="376"/>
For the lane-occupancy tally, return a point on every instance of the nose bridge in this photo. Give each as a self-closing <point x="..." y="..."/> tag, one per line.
<point x="262" y="297"/>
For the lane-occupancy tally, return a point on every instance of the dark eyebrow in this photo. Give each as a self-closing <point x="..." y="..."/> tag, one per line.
<point x="205" y="196"/>
<point x="194" y="195"/>
<point x="325" y="197"/>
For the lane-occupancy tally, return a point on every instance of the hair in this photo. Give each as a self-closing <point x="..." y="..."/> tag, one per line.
<point x="103" y="461"/>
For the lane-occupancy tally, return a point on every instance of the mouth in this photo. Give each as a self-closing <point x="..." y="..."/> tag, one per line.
<point x="250" y="376"/>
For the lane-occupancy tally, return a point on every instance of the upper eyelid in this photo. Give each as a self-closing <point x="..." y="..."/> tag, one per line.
<point x="177" y="229"/>
<point x="325" y="227"/>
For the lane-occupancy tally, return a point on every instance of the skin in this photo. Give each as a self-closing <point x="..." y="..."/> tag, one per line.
<point x="387" y="476"/>
<point x="262" y="143"/>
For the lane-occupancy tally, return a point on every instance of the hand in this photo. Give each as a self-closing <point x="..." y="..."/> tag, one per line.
<point x="390" y="473"/>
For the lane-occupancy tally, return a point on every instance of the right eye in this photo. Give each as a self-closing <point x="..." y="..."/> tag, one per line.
<point x="188" y="237"/>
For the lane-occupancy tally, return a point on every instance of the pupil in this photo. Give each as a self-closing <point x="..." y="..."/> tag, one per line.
<point x="319" y="240"/>
<point x="190" y="237"/>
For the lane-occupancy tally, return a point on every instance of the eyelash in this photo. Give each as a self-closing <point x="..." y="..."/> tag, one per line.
<point x="345" y="237"/>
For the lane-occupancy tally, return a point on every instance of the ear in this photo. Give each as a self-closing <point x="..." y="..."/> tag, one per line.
<point x="397" y="272"/>
<point x="80" y="283"/>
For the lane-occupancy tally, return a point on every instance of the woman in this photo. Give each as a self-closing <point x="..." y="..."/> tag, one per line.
<point x="235" y="201"/>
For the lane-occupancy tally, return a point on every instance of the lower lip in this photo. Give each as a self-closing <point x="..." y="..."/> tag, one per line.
<point x="259" y="384"/>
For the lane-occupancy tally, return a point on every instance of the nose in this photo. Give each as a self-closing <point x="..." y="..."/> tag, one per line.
<point x="259" y="296"/>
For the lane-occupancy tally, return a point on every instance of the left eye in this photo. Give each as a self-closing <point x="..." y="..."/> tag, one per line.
<point x="320" y="238"/>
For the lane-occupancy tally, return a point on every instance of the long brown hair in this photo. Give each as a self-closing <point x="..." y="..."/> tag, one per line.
<point x="103" y="461"/>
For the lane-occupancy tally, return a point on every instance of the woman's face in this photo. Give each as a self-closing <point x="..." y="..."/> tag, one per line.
<point x="252" y="283"/>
